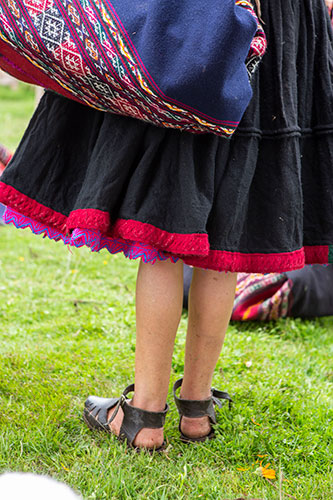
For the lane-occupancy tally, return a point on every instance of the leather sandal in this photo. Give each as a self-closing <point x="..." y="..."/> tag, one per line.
<point x="96" y="410"/>
<point x="199" y="408"/>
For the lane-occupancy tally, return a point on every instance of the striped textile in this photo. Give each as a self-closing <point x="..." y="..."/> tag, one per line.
<point x="184" y="65"/>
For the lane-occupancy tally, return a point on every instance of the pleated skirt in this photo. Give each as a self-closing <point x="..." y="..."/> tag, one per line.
<point x="260" y="202"/>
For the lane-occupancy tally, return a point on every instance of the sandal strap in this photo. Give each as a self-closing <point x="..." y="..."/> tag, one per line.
<point x="217" y="395"/>
<point x="119" y="402"/>
<point x="135" y="418"/>
<point x="199" y="408"/>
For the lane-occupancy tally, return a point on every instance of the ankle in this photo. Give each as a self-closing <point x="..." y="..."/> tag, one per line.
<point x="195" y="390"/>
<point x="194" y="393"/>
<point x="146" y="403"/>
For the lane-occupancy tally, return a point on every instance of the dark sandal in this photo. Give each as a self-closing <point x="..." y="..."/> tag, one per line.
<point x="196" y="409"/>
<point x="95" y="414"/>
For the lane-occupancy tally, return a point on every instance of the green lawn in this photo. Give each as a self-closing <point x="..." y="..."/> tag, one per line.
<point x="67" y="326"/>
<point x="16" y="107"/>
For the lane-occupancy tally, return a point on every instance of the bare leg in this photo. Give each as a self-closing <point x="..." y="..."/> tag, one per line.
<point x="159" y="298"/>
<point x="210" y="306"/>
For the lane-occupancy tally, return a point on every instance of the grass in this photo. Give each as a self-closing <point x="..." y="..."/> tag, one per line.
<point x="67" y="327"/>
<point x="16" y="107"/>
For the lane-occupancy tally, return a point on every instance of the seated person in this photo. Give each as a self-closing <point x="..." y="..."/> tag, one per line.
<point x="305" y="293"/>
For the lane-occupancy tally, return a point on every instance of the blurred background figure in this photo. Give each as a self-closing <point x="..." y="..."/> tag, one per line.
<point x="305" y="293"/>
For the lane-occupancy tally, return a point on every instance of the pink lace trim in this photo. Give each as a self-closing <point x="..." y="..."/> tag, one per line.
<point x="127" y="236"/>
<point x="92" y="239"/>
<point x="99" y="221"/>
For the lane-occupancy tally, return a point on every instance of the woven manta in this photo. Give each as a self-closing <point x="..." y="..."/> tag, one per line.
<point x="181" y="64"/>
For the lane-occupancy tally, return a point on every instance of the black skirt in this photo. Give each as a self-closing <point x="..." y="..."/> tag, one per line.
<point x="261" y="202"/>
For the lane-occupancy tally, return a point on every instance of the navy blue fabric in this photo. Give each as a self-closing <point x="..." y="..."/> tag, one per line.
<point x="194" y="51"/>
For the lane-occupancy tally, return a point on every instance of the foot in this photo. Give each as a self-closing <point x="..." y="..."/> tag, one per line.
<point x="195" y="427"/>
<point x="146" y="438"/>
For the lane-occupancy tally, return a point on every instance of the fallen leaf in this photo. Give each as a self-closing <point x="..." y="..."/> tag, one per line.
<point x="267" y="473"/>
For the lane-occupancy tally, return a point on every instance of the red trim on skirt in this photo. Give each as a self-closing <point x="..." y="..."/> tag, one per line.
<point x="193" y="249"/>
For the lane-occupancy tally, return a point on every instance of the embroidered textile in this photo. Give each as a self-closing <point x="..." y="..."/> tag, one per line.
<point x="161" y="61"/>
<point x="260" y="297"/>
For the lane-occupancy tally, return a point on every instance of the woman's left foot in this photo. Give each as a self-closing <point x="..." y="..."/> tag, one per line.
<point x="195" y="428"/>
<point x="198" y="416"/>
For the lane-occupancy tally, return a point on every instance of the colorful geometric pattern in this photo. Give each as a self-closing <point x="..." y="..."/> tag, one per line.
<point x="262" y="297"/>
<point x="92" y="239"/>
<point x="82" y="46"/>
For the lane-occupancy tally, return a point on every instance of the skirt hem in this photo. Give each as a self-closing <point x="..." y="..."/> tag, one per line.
<point x="217" y="260"/>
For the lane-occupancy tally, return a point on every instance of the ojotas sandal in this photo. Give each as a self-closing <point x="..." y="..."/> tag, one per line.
<point x="200" y="408"/>
<point x="96" y="410"/>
